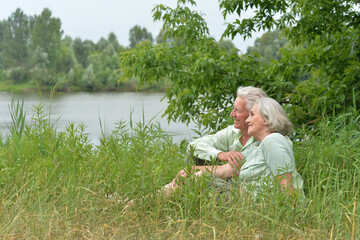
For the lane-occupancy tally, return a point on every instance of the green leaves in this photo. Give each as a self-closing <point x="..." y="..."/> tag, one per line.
<point x="264" y="16"/>
<point x="318" y="67"/>
<point x="202" y="78"/>
<point x="181" y="23"/>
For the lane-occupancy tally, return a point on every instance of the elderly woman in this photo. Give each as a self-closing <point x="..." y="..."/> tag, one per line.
<point x="270" y="163"/>
<point x="274" y="158"/>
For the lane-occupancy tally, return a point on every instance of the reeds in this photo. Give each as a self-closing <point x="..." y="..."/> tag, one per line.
<point x="58" y="185"/>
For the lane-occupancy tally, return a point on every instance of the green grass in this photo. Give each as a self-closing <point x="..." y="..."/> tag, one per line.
<point x="58" y="185"/>
<point x="9" y="86"/>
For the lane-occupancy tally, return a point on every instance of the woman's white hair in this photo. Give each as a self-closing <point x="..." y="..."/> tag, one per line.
<point x="250" y="95"/>
<point x="274" y="115"/>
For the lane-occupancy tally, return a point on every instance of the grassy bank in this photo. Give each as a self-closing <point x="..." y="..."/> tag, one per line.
<point x="57" y="185"/>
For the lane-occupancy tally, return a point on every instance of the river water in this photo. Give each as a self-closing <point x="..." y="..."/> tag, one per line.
<point x="90" y="108"/>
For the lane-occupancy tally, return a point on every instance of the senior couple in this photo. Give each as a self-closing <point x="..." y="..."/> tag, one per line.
<point x="256" y="150"/>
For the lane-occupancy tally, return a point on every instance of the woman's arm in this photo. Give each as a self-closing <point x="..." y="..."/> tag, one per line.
<point x="286" y="181"/>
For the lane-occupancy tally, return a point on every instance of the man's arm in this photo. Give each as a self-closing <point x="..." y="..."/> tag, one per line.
<point x="232" y="157"/>
<point x="216" y="146"/>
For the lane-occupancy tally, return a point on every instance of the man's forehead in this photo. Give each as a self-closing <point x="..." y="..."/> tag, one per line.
<point x="240" y="102"/>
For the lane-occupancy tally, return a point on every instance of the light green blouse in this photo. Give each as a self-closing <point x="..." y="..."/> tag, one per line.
<point x="272" y="157"/>
<point x="228" y="139"/>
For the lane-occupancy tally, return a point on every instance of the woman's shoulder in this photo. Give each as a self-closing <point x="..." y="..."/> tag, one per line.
<point x="275" y="135"/>
<point x="277" y="138"/>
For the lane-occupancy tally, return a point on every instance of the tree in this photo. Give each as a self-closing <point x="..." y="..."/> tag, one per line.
<point x="46" y="36"/>
<point x="202" y="76"/>
<point x="228" y="46"/>
<point x="323" y="44"/>
<point x="81" y="51"/>
<point x="160" y="37"/>
<point x="112" y="39"/>
<point x="15" y="39"/>
<point x="101" y="44"/>
<point x="89" y="79"/>
<point x="330" y="32"/>
<point x="138" y="34"/>
<point x="268" y="46"/>
<point x="3" y="27"/>
<point x="104" y="67"/>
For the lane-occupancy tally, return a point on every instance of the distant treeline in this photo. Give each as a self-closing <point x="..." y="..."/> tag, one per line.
<point x="35" y="55"/>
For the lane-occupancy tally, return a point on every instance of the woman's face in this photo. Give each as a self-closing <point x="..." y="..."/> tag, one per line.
<point x="257" y="127"/>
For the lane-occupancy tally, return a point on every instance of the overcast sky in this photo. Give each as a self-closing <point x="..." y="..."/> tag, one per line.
<point x="93" y="19"/>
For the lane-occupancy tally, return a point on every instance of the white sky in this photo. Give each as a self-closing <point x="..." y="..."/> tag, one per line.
<point x="93" y="19"/>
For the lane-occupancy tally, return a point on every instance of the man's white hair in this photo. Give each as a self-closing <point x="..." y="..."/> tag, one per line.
<point x="250" y="95"/>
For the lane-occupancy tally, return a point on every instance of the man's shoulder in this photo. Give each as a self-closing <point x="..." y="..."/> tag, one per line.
<point x="228" y="132"/>
<point x="231" y="129"/>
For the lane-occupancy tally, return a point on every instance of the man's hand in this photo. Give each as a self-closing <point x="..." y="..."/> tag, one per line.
<point x="232" y="157"/>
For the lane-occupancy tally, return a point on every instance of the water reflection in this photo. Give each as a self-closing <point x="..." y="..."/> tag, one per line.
<point x="88" y="108"/>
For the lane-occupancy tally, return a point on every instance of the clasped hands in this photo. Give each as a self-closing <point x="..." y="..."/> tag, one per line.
<point x="234" y="158"/>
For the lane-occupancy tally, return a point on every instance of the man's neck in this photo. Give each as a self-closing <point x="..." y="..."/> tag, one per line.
<point x="244" y="138"/>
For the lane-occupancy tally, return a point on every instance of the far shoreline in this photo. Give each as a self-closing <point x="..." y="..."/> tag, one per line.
<point x="29" y="88"/>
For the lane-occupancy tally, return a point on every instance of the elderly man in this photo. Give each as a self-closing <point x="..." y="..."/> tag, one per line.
<point x="227" y="144"/>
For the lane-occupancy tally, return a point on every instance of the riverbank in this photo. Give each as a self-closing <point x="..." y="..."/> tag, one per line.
<point x="9" y="86"/>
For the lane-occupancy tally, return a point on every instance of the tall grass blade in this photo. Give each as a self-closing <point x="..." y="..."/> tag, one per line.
<point x="18" y="116"/>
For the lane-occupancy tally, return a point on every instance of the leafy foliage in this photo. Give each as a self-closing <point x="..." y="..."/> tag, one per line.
<point x="317" y="70"/>
<point x="15" y="39"/>
<point x="202" y="74"/>
<point x="268" y="47"/>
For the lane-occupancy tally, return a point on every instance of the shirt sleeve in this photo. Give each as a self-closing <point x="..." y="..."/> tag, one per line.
<point x="209" y="146"/>
<point x="278" y="155"/>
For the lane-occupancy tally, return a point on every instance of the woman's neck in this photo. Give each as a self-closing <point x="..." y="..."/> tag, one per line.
<point x="261" y="137"/>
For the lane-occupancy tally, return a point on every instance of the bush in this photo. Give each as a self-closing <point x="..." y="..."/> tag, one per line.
<point x="17" y="74"/>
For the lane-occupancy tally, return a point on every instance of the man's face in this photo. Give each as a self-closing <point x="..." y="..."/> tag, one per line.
<point x="240" y="114"/>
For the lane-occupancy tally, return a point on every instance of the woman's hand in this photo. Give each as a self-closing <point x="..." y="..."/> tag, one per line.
<point x="180" y="178"/>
